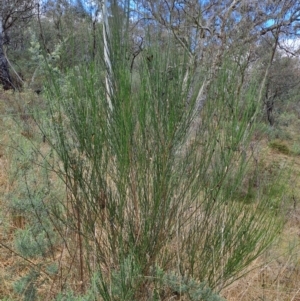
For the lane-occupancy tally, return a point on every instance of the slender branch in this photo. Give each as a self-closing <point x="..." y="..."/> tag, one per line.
<point x="24" y="258"/>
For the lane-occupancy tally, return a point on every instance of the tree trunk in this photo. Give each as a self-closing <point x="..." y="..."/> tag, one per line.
<point x="269" y="108"/>
<point x="5" y="79"/>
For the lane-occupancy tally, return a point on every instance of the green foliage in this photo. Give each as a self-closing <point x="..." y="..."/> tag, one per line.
<point x="25" y="286"/>
<point x="286" y="118"/>
<point x="155" y="177"/>
<point x="196" y="291"/>
<point x="30" y="244"/>
<point x="43" y="36"/>
<point x="280" y="147"/>
<point x="296" y="148"/>
<point x="152" y="182"/>
<point x="29" y="200"/>
<point x="52" y="269"/>
<point x="161" y="285"/>
<point x="126" y="280"/>
<point x="278" y="133"/>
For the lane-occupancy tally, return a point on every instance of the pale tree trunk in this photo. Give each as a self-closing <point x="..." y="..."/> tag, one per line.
<point x="5" y="78"/>
<point x="106" y="37"/>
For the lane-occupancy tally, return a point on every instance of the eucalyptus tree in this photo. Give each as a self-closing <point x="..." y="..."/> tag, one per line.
<point x="71" y="26"/>
<point x="283" y="83"/>
<point x="4" y="75"/>
<point x="208" y="30"/>
<point x="12" y="12"/>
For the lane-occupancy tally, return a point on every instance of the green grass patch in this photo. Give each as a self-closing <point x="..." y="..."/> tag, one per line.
<point x="280" y="146"/>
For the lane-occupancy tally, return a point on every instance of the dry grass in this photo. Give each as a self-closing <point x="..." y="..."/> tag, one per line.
<point x="276" y="274"/>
